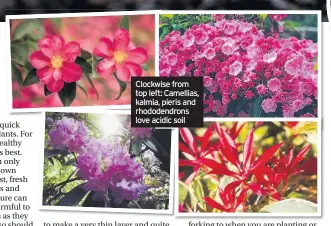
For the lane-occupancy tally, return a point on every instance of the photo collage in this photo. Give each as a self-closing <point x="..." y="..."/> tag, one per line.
<point x="258" y="152"/>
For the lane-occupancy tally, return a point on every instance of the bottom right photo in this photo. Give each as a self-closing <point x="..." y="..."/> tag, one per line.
<point x="249" y="167"/>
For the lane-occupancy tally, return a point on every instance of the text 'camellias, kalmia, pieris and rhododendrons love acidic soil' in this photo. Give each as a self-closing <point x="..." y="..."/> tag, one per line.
<point x="249" y="167"/>
<point x="95" y="160"/>
<point x="252" y="65"/>
<point x="79" y="61"/>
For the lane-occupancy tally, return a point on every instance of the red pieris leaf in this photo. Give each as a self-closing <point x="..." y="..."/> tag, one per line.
<point x="184" y="148"/>
<point x="228" y="146"/>
<point x="188" y="139"/>
<point x="248" y="150"/>
<point x="290" y="157"/>
<point x="234" y="131"/>
<point x="206" y="136"/>
<point x="217" y="168"/>
<point x="183" y="162"/>
<point x="180" y="175"/>
<point x="258" y="124"/>
<point x="266" y="156"/>
<point x="212" y="203"/>
<point x="309" y="167"/>
<point x="301" y="155"/>
<point x="291" y="124"/>
<point x="231" y="187"/>
<point x="257" y="188"/>
<point x="241" y="198"/>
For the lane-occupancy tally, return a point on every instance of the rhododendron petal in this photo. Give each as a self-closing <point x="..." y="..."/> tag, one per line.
<point x="105" y="67"/>
<point x="270" y="57"/>
<point x="121" y="39"/>
<point x="39" y="60"/>
<point x="209" y="53"/>
<point x="269" y="105"/>
<point x="135" y="69"/>
<point x="71" y="51"/>
<point x="137" y="56"/>
<point x="45" y="75"/>
<point x="188" y="40"/>
<point x="104" y="49"/>
<point x="71" y="72"/>
<point x="55" y="86"/>
<point x="123" y="72"/>
<point x="235" y="68"/>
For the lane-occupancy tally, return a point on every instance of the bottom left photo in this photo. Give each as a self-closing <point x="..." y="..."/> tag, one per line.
<point x="97" y="160"/>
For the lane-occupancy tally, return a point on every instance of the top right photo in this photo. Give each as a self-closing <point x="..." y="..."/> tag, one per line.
<point x="253" y="65"/>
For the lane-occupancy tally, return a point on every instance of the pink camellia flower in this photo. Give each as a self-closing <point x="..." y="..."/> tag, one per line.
<point x="55" y="62"/>
<point x="119" y="56"/>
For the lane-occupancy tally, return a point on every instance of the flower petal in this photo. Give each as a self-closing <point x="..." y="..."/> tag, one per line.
<point x="57" y="74"/>
<point x="138" y="56"/>
<point x="105" y="48"/>
<point x="71" y="51"/>
<point x="39" y="60"/>
<point x="135" y="69"/>
<point x="105" y="67"/>
<point x="45" y="75"/>
<point x="55" y="86"/>
<point x="45" y="46"/>
<point x="123" y="73"/>
<point x="122" y="39"/>
<point x="57" y="43"/>
<point x="71" y="72"/>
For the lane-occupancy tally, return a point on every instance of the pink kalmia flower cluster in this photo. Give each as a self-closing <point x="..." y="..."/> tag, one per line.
<point x="238" y="62"/>
<point x="106" y="166"/>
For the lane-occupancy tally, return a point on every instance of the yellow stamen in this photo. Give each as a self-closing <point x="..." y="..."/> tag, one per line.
<point x="56" y="62"/>
<point x="120" y="56"/>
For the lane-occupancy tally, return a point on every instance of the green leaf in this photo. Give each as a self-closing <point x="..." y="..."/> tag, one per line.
<point x="92" y="84"/>
<point x="150" y="144"/>
<point x="145" y="67"/>
<point x="94" y="73"/>
<point x="125" y="23"/>
<point x="86" y="67"/>
<point x="315" y="67"/>
<point x="54" y="152"/>
<point x="263" y="16"/>
<point x="30" y="29"/>
<point x="182" y="192"/>
<point x="31" y="78"/>
<point x="16" y="74"/>
<point x="256" y="108"/>
<point x="196" y="190"/>
<point x="70" y="162"/>
<point x="57" y="22"/>
<point x="68" y="93"/>
<point x="122" y="87"/>
<point x="73" y="197"/>
<point x="291" y="206"/>
<point x="136" y="146"/>
<point x="289" y="25"/>
<point x="19" y="53"/>
<point x="46" y="91"/>
<point x="82" y="88"/>
<point x="85" y="54"/>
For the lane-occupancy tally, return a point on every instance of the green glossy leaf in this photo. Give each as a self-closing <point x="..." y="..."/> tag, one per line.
<point x="256" y="110"/>
<point x="122" y="87"/>
<point x="73" y="197"/>
<point x="85" y="54"/>
<point x="68" y="93"/>
<point x="46" y="91"/>
<point x="94" y="73"/>
<point x="125" y="23"/>
<point x="31" y="78"/>
<point x="145" y="67"/>
<point x="136" y="146"/>
<point x="86" y="67"/>
<point x="81" y="87"/>
<point x="16" y="74"/>
<point x="30" y="29"/>
<point x="291" y="206"/>
<point x="150" y="144"/>
<point x="55" y="152"/>
<point x="182" y="192"/>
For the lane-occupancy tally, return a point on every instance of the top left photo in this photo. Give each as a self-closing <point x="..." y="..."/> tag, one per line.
<point x="72" y="60"/>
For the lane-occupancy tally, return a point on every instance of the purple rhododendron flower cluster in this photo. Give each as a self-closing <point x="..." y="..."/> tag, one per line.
<point x="141" y="132"/>
<point x="106" y="166"/>
<point x="68" y="133"/>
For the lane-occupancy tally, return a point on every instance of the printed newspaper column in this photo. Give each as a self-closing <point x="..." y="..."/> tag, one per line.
<point x="14" y="206"/>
